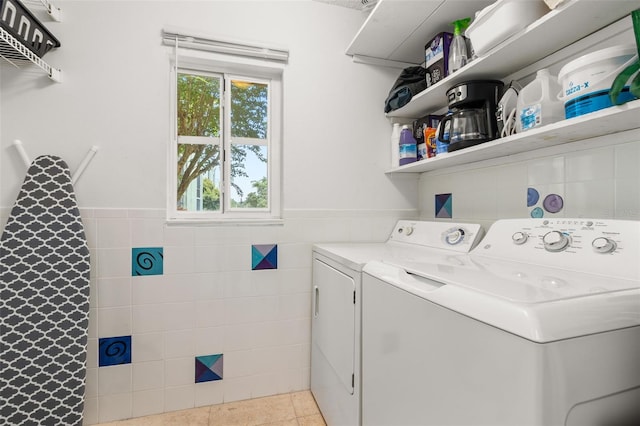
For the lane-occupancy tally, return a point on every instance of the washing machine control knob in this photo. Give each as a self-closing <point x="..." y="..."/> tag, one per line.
<point x="408" y="230"/>
<point x="604" y="245"/>
<point x="519" y="238"/>
<point x="555" y="241"/>
<point x="454" y="236"/>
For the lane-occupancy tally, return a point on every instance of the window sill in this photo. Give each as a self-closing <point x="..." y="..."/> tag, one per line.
<point x="225" y="222"/>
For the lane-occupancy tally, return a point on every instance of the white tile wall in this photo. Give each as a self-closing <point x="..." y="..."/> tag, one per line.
<point x="209" y="393"/>
<point x="115" y="406"/>
<point x="148" y="375"/>
<point x="207" y="301"/>
<point x="148" y="402"/>
<point x="147" y="347"/>
<point x="602" y="182"/>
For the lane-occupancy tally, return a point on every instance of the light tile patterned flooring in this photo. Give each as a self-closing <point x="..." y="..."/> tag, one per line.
<point x="291" y="409"/>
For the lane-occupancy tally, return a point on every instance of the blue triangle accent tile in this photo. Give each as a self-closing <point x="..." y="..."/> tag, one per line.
<point x="208" y="368"/>
<point x="264" y="264"/>
<point x="272" y="257"/>
<point x="207" y="376"/>
<point x="217" y="367"/>
<point x="444" y="205"/>
<point x="209" y="360"/>
<point x="264" y="249"/>
<point x="256" y="257"/>
<point x="264" y="256"/>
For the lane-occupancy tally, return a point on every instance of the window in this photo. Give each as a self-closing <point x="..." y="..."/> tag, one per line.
<point x="225" y="151"/>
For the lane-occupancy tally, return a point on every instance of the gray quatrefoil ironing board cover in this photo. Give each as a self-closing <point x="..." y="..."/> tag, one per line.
<point x="45" y="302"/>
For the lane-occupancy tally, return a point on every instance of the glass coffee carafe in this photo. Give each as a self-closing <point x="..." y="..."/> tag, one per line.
<point x="472" y="116"/>
<point x="468" y="125"/>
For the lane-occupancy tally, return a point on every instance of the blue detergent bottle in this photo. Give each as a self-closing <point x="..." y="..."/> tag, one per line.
<point x="408" y="148"/>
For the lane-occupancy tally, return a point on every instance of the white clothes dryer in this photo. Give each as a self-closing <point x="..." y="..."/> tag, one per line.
<point x="337" y="286"/>
<point x="541" y="328"/>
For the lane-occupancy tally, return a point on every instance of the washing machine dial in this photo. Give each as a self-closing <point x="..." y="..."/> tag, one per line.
<point x="604" y="245"/>
<point x="519" y="238"/>
<point x="555" y="241"/>
<point x="454" y="236"/>
<point x="406" y="230"/>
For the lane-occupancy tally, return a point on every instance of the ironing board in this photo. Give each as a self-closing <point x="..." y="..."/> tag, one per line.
<point x="44" y="290"/>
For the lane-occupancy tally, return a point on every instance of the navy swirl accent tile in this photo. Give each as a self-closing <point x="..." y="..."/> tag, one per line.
<point x="114" y="351"/>
<point x="147" y="261"/>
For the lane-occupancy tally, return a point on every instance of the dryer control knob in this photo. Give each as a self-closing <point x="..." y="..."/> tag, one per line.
<point x="454" y="236"/>
<point x="408" y="230"/>
<point x="604" y="245"/>
<point x="519" y="238"/>
<point x="555" y="241"/>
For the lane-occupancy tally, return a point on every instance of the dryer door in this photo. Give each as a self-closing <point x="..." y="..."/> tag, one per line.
<point x="333" y="327"/>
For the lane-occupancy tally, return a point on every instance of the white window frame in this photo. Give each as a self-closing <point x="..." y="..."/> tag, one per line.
<point x="248" y="69"/>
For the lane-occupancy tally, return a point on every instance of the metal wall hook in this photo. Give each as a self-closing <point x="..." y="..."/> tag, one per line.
<point x="83" y="165"/>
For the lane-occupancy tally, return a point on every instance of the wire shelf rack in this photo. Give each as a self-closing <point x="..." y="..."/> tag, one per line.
<point x="16" y="54"/>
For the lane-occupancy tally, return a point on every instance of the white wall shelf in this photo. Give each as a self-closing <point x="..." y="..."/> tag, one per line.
<point x="398" y="29"/>
<point x="600" y="123"/>
<point x="566" y="25"/>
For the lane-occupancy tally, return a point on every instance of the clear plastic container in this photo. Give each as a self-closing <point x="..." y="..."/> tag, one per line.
<point x="538" y="104"/>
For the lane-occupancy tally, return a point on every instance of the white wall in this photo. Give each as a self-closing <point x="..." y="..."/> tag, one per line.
<point x="115" y="95"/>
<point x="597" y="178"/>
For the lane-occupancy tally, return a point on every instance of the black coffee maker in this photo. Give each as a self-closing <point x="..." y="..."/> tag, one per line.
<point x="472" y="116"/>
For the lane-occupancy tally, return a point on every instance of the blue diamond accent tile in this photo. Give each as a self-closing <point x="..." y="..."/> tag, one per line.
<point x="208" y="368"/>
<point x="147" y="261"/>
<point x="444" y="207"/>
<point x="114" y="351"/>
<point x="264" y="256"/>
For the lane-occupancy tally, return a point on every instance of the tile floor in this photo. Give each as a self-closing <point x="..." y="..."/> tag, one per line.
<point x="291" y="409"/>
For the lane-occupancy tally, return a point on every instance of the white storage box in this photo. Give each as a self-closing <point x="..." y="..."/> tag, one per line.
<point x="502" y="19"/>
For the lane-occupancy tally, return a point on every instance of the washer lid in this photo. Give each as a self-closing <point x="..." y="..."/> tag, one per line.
<point x="522" y="283"/>
<point x="355" y="255"/>
<point x="411" y="240"/>
<point x="541" y="304"/>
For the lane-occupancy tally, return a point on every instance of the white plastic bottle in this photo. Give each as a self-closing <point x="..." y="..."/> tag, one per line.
<point x="395" y="145"/>
<point x="538" y="104"/>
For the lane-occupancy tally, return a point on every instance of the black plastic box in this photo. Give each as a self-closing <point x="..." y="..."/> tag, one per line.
<point x="18" y="21"/>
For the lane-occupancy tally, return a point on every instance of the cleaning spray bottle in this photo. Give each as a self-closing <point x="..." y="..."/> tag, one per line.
<point x="458" y="48"/>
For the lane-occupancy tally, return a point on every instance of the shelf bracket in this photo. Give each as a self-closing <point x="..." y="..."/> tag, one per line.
<point x="53" y="11"/>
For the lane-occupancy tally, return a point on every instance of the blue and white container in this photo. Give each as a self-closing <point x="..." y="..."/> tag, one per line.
<point x="586" y="81"/>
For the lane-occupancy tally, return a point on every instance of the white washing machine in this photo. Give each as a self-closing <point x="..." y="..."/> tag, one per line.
<point x="336" y="322"/>
<point x="542" y="328"/>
